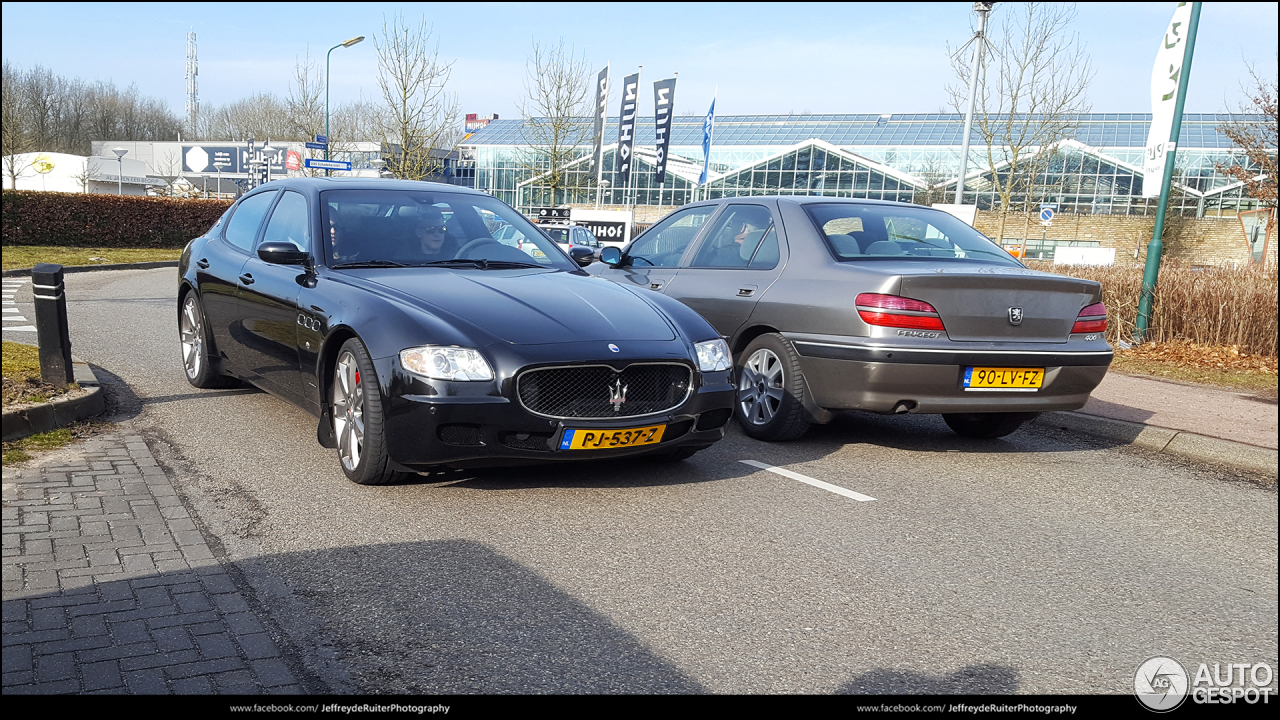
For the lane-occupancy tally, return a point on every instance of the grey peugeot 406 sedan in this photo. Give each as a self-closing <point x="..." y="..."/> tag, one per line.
<point x="833" y="304"/>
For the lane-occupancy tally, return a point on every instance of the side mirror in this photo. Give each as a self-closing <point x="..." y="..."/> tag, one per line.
<point x="611" y="256"/>
<point x="282" y="253"/>
<point x="584" y="256"/>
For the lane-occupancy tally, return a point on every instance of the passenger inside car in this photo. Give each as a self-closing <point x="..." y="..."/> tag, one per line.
<point x="735" y="238"/>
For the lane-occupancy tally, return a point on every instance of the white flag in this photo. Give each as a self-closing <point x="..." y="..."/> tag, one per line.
<point x="1165" y="77"/>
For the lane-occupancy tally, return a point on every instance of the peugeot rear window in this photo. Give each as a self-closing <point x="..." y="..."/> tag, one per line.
<point x="856" y="232"/>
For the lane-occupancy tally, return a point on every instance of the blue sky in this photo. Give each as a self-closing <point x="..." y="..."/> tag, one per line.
<point x="765" y="57"/>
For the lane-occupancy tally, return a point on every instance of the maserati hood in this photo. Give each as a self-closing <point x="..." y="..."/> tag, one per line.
<point x="530" y="307"/>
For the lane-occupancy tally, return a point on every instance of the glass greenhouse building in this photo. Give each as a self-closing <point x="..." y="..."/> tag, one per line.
<point x="908" y="158"/>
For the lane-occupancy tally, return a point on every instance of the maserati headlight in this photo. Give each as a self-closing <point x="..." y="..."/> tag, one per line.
<point x="446" y="363"/>
<point x="713" y="355"/>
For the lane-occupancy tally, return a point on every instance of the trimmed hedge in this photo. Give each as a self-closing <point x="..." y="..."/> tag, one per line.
<point x="113" y="221"/>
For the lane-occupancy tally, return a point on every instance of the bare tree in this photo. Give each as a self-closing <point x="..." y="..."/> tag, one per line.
<point x="1256" y="139"/>
<point x="58" y="114"/>
<point x="87" y="175"/>
<point x="1029" y="99"/>
<point x="556" y="111"/>
<point x="169" y="167"/>
<point x="418" y="115"/>
<point x="14" y="135"/>
<point x="260" y="116"/>
<point x="305" y="104"/>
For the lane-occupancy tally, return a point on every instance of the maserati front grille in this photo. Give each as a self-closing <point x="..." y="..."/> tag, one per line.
<point x="602" y="392"/>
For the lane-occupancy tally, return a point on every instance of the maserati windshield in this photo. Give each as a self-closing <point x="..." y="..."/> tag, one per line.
<point x="407" y="228"/>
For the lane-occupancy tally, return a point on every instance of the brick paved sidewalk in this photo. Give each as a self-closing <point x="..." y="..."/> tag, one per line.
<point x="109" y="586"/>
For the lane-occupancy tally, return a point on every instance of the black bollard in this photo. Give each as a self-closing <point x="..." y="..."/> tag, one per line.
<point x="54" y="338"/>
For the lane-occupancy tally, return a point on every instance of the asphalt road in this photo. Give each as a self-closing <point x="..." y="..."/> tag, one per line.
<point x="1041" y="563"/>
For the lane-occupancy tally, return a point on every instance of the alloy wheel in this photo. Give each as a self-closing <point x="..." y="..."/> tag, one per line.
<point x="191" y="334"/>
<point x="760" y="387"/>
<point x="348" y="411"/>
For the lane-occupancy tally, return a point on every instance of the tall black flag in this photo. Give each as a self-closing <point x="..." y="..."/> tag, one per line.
<point x="627" y="126"/>
<point x="602" y="100"/>
<point x="664" y="103"/>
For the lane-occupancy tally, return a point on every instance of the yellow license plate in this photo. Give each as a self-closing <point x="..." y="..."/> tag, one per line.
<point x="988" y="378"/>
<point x="579" y="439"/>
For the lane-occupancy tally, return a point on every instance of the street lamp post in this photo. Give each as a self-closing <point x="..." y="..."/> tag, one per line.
<point x="269" y="156"/>
<point x="983" y="9"/>
<point x="120" y="153"/>
<point x="345" y="43"/>
<point x="600" y="191"/>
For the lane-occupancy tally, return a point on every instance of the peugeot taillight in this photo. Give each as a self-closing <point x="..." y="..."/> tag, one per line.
<point x="1092" y="319"/>
<point x="899" y="312"/>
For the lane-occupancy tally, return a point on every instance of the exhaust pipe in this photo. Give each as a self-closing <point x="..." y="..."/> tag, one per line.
<point x="903" y="407"/>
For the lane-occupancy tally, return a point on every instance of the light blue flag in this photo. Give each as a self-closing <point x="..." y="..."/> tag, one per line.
<point x="708" y="125"/>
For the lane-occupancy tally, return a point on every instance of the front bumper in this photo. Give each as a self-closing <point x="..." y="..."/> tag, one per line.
<point x="431" y="423"/>
<point x="844" y="375"/>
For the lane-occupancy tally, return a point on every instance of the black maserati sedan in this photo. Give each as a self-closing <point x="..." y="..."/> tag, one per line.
<point x="391" y="311"/>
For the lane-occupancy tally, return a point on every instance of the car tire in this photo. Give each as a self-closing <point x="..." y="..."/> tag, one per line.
<point x="358" y="421"/>
<point x="193" y="340"/>
<point x="987" y="426"/>
<point x="770" y="400"/>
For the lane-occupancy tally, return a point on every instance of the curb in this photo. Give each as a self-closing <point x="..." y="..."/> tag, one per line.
<point x="23" y="272"/>
<point x="1168" y="441"/>
<point x="57" y="413"/>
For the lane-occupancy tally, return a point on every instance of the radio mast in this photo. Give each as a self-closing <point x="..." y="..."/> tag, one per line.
<point x="193" y="97"/>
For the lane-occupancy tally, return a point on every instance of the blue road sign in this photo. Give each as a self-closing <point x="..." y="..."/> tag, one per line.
<point x="327" y="164"/>
<point x="317" y="146"/>
<point x="322" y="139"/>
<point x="1046" y="215"/>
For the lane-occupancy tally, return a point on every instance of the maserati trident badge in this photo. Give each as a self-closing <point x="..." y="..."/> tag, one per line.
<point x="617" y="394"/>
<point x="1015" y="316"/>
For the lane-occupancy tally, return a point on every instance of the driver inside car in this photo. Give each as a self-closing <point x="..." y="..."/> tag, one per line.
<point x="432" y="236"/>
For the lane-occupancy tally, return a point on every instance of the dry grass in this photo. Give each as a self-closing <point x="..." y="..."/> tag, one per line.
<point x="1219" y="306"/>
<point x="1223" y="367"/>
<point x="25" y="256"/>
<point x="22" y="383"/>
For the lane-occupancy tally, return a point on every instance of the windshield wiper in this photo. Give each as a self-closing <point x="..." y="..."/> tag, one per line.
<point x="481" y="263"/>
<point x="368" y="264"/>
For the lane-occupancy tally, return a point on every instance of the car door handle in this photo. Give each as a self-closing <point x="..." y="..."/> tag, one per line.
<point x="747" y="291"/>
<point x="655" y="286"/>
<point x="247" y="279"/>
<point x="202" y="264"/>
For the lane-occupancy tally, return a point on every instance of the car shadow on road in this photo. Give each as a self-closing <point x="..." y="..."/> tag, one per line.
<point x="929" y="433"/>
<point x="968" y="680"/>
<point x="124" y="404"/>
<point x="431" y="617"/>
<point x="616" y="473"/>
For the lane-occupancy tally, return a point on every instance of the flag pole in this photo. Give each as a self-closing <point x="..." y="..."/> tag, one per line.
<point x="608" y="80"/>
<point x="1156" y="247"/>
<point x="631" y="200"/>
<point x="711" y="136"/>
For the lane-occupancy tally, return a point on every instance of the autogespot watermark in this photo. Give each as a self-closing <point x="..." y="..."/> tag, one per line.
<point x="1162" y="684"/>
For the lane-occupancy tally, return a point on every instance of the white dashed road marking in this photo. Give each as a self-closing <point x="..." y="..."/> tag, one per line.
<point x="806" y="479"/>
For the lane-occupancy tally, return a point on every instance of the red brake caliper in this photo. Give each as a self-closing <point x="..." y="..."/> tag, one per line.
<point x="357" y="376"/>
